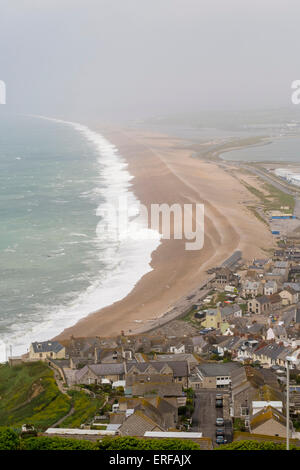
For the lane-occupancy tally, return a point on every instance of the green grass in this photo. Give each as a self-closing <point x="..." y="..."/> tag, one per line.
<point x="274" y="200"/>
<point x="279" y="198"/>
<point x="85" y="409"/>
<point x="29" y="394"/>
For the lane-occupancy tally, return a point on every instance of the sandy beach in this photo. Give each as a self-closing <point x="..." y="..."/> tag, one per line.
<point x="165" y="171"/>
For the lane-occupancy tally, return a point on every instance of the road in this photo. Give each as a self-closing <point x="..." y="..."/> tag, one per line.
<point x="205" y="414"/>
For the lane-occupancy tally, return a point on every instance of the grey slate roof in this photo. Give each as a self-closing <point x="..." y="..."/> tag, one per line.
<point x="213" y="369"/>
<point x="226" y="311"/>
<point x="47" y="346"/>
<point x="107" y="369"/>
<point x="231" y="342"/>
<point x="101" y="370"/>
<point x="256" y="328"/>
<point x="180" y="368"/>
<point x="272" y="350"/>
<point x="137" y="424"/>
<point x="263" y="299"/>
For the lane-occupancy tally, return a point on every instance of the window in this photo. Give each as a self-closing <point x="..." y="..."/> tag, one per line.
<point x="244" y="411"/>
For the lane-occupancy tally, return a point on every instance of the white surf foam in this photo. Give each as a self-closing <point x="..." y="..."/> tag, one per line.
<point x="128" y="257"/>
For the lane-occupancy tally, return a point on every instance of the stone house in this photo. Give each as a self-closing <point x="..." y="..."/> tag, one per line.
<point x="154" y="412"/>
<point x="231" y="345"/>
<point x="270" y="288"/>
<point x="143" y="371"/>
<point x="46" y="350"/>
<point x="253" y="288"/>
<point x="247" y="385"/>
<point x="269" y="354"/>
<point x="198" y="344"/>
<point x="215" y="375"/>
<point x="275" y="302"/>
<point x="223" y="277"/>
<point x="177" y="347"/>
<point x="289" y="296"/>
<point x="269" y="422"/>
<point x="277" y="332"/>
<point x="260" y="305"/>
<point x="97" y="373"/>
<point x="137" y="424"/>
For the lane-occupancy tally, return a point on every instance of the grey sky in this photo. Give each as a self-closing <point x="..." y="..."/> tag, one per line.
<point x="135" y="58"/>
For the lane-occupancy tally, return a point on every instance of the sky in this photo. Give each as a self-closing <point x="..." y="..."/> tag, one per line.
<point x="116" y="59"/>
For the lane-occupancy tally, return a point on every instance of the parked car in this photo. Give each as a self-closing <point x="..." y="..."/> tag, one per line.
<point x="219" y="401"/>
<point x="220" y="432"/>
<point x="219" y="422"/>
<point x="221" y="440"/>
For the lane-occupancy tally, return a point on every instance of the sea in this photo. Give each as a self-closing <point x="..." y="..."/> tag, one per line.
<point x="62" y="254"/>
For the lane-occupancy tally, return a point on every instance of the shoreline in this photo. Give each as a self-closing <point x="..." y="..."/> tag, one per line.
<point x="165" y="171"/>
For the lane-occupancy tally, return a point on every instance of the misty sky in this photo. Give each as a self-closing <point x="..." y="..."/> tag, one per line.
<point x="137" y="58"/>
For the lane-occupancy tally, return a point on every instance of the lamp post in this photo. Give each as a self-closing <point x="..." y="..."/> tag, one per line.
<point x="287" y="405"/>
<point x="288" y="359"/>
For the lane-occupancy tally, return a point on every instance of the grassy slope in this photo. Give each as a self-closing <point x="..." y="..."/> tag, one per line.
<point x="29" y="394"/>
<point x="85" y="408"/>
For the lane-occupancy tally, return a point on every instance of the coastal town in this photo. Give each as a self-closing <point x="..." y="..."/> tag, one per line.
<point x="214" y="375"/>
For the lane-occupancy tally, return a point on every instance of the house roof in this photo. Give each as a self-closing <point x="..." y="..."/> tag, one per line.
<point x="161" y="389"/>
<point x="263" y="299"/>
<point x="107" y="368"/>
<point x="47" y="346"/>
<point x="226" y="311"/>
<point x="179" y="368"/>
<point x="265" y="415"/>
<point x="251" y="284"/>
<point x="101" y="370"/>
<point x="214" y="369"/>
<point x="137" y="424"/>
<point x="274" y="298"/>
<point x="256" y="328"/>
<point x="231" y="342"/>
<point x="271" y="350"/>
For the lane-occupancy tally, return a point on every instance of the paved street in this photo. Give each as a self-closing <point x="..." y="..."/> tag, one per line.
<point x="205" y="414"/>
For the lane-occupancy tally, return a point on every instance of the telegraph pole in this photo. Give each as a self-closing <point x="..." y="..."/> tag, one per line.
<point x="287" y="406"/>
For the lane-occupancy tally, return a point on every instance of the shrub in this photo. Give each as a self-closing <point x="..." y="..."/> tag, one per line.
<point x="57" y="443"/>
<point x="133" y="443"/>
<point x="255" y="445"/>
<point x="9" y="440"/>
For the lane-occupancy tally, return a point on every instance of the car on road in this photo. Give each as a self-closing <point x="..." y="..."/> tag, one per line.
<point x="221" y="440"/>
<point x="219" y="400"/>
<point x="220" y="432"/>
<point x="219" y="422"/>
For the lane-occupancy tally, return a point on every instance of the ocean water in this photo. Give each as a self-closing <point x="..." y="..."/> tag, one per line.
<point x="61" y="255"/>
